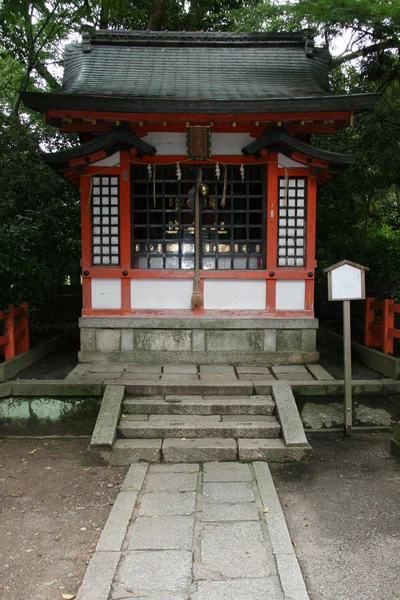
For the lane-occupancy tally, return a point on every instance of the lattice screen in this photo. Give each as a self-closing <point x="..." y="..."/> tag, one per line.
<point x="105" y="220"/>
<point x="292" y="222"/>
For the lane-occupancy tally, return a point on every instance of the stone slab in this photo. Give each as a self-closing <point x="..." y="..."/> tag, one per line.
<point x="291" y="577"/>
<point x="152" y="571"/>
<point x="256" y="377"/>
<point x="167" y="482"/>
<point x="125" y="452"/>
<point x="231" y="492"/>
<point x="141" y="369"/>
<point x="168" y="503"/>
<point x="186" y="369"/>
<point x="54" y="387"/>
<point x="179" y="419"/>
<point x="294" y="376"/>
<point x="230" y="512"/>
<point x="208" y="388"/>
<point x="134" y="478"/>
<point x="234" y="549"/>
<point x="187" y="429"/>
<point x="179" y="377"/>
<point x="162" y="533"/>
<point x="249" y="418"/>
<point x="253" y="369"/>
<point x="289" y="418"/>
<point x="99" y="576"/>
<point x="288" y="369"/>
<point x="175" y="468"/>
<point x="224" y="377"/>
<point x="273" y="450"/>
<point x="319" y="373"/>
<point x="237" y="589"/>
<point x="104" y="432"/>
<point x="135" y="417"/>
<point x="100" y="377"/>
<point x="141" y="376"/>
<point x="77" y="372"/>
<point x="199" y="449"/>
<point x="5" y="390"/>
<point x="106" y="368"/>
<point x="216" y="369"/>
<point x="114" y="531"/>
<point x="224" y="471"/>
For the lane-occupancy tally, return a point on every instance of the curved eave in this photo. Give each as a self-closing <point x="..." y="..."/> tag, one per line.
<point x="279" y="140"/>
<point x="62" y="101"/>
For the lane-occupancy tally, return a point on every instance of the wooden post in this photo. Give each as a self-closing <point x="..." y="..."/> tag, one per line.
<point x="10" y="349"/>
<point x="24" y="343"/>
<point x="348" y="404"/>
<point x="368" y="319"/>
<point x="387" y="324"/>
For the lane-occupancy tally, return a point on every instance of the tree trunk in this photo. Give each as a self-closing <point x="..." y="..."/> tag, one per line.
<point x="157" y="15"/>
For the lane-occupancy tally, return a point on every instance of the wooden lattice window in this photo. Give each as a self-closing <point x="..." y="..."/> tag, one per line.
<point x="105" y="220"/>
<point x="292" y="221"/>
<point x="232" y="227"/>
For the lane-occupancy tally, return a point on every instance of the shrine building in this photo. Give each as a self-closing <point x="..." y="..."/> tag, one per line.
<point x="198" y="188"/>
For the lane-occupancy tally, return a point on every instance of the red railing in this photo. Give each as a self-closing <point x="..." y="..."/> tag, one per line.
<point x="379" y="329"/>
<point x="15" y="339"/>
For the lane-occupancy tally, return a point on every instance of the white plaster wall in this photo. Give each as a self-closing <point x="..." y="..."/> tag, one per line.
<point x="167" y="143"/>
<point x="175" y="143"/>
<point x="290" y="294"/>
<point x="161" y="293"/>
<point x="106" y="293"/>
<point x="231" y="294"/>
<point x="285" y="161"/>
<point x="110" y="161"/>
<point x="230" y="143"/>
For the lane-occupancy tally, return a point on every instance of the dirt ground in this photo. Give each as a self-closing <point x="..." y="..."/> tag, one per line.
<point x="343" y="514"/>
<point x="342" y="509"/>
<point x="53" y="507"/>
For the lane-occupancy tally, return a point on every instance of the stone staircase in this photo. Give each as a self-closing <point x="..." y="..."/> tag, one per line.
<point x="191" y="425"/>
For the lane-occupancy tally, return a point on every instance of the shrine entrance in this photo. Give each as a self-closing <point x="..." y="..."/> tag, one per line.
<point x="232" y="203"/>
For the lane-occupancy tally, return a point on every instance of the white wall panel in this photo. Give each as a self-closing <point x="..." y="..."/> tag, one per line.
<point x="229" y="143"/>
<point x="231" y="294"/>
<point x="106" y="293"/>
<point x="161" y="293"/>
<point x="167" y="143"/>
<point x="110" y="161"/>
<point x="290" y="294"/>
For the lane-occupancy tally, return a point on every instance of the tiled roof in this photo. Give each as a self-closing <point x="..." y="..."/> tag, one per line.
<point x="196" y="66"/>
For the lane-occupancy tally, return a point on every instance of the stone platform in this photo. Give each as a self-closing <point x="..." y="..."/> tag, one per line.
<point x="195" y="532"/>
<point x="202" y="339"/>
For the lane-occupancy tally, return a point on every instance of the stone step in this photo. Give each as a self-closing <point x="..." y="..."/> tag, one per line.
<point x="200" y="429"/>
<point x="200" y="405"/>
<point x="200" y="418"/>
<point x="187" y="388"/>
<point x="272" y="450"/>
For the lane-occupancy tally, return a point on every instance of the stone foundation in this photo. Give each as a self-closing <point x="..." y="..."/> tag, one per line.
<point x="198" y="340"/>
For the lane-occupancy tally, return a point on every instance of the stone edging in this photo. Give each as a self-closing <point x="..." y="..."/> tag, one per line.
<point x="13" y="366"/>
<point x="383" y="363"/>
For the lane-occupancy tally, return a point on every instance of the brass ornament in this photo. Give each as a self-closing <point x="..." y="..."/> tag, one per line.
<point x="204" y="189"/>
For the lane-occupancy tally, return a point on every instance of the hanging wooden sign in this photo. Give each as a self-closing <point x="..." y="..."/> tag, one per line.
<point x="198" y="142"/>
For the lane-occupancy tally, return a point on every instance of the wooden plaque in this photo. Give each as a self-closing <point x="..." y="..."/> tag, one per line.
<point x="198" y="142"/>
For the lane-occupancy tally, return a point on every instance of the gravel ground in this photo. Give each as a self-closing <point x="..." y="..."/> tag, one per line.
<point x="53" y="508"/>
<point x="343" y="514"/>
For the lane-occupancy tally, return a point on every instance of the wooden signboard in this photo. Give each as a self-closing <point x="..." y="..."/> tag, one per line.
<point x="198" y="142"/>
<point x="346" y="281"/>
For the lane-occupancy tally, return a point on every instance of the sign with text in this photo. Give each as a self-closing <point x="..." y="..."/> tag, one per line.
<point x="346" y="281"/>
<point x="198" y="142"/>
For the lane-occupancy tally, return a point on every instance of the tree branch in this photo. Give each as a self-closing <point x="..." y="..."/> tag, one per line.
<point x="363" y="52"/>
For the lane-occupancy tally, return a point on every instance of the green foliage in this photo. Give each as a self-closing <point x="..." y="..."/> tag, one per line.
<point x="39" y="220"/>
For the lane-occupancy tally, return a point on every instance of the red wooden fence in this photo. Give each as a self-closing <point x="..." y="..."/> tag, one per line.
<point x="380" y="330"/>
<point x="16" y="337"/>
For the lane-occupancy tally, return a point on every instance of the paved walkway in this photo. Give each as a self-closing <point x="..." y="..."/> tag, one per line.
<point x="112" y="372"/>
<point x="195" y="532"/>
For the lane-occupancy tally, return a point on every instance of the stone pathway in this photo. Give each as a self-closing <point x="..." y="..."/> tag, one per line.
<point x="195" y="532"/>
<point x="112" y="372"/>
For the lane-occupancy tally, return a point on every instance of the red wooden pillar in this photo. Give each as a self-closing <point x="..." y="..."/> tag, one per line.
<point x="10" y="348"/>
<point x="86" y="227"/>
<point x="125" y="229"/>
<point x="369" y="337"/>
<point x="310" y="240"/>
<point x="272" y="231"/>
<point x="24" y="342"/>
<point x="388" y="323"/>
